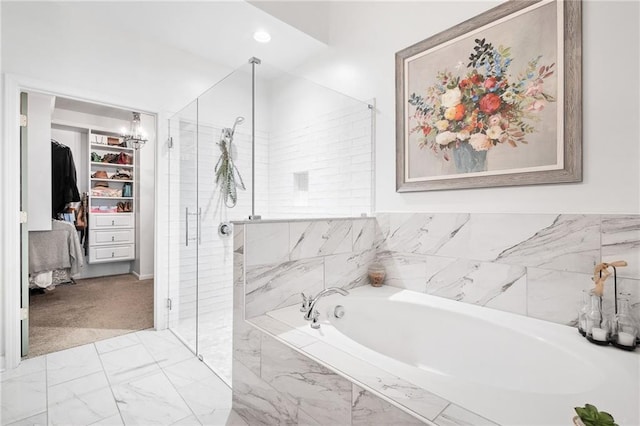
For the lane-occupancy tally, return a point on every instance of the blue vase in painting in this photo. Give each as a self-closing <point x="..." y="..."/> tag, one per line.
<point x="468" y="160"/>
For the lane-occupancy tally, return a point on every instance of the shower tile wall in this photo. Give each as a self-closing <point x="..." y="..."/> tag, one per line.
<point x="530" y="264"/>
<point x="335" y="149"/>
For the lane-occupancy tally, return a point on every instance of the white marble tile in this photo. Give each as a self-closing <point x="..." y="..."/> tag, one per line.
<point x="188" y="421"/>
<point x="127" y="363"/>
<point x="555" y="296"/>
<point x="305" y="419"/>
<point x="238" y="255"/>
<point x="570" y="243"/>
<point x="205" y="396"/>
<point x="514" y="299"/>
<point x="348" y="270"/>
<point x="290" y="335"/>
<point x="368" y="409"/>
<point x="72" y="388"/>
<point x="222" y="417"/>
<point x="26" y="367"/>
<point x="364" y="234"/>
<point x="457" y="416"/>
<point x="187" y="372"/>
<point x="23" y="396"/>
<point x="72" y="363"/>
<point x="403" y="392"/>
<point x="486" y="236"/>
<point x="275" y="286"/>
<point x="420" y="233"/>
<point x="474" y="282"/>
<point x="621" y="241"/>
<point x="319" y="238"/>
<point x="164" y="346"/>
<point x="257" y="402"/>
<point x="111" y="421"/>
<point x="238" y="238"/>
<point x="150" y="400"/>
<point x="37" y="420"/>
<point x="83" y="408"/>
<point x="404" y="270"/>
<point x="322" y="394"/>
<point x="246" y="345"/>
<point x="266" y="243"/>
<point x="115" y="343"/>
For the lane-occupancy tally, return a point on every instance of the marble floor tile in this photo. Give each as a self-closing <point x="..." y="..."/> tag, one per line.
<point x="188" y="421"/>
<point x="187" y="372"/>
<point x="26" y="367"/>
<point x="71" y="364"/>
<point x="23" y="396"/>
<point x="37" y="420"/>
<point x="126" y="363"/>
<point x="115" y="343"/>
<point x="206" y="396"/>
<point x="84" y="408"/>
<point x="222" y="417"/>
<point x="164" y="347"/>
<point x="73" y="388"/>
<point x="111" y="421"/>
<point x="150" y="400"/>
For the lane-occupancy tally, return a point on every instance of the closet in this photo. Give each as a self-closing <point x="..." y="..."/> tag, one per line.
<point x="90" y="216"/>
<point x="106" y="179"/>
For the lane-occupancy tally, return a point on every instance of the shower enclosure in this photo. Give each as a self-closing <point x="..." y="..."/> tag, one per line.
<point x="298" y="149"/>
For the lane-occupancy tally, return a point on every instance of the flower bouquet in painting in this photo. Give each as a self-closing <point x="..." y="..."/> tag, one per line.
<point x="464" y="116"/>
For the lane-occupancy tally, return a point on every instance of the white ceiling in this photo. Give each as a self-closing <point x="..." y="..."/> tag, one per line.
<point x="220" y="31"/>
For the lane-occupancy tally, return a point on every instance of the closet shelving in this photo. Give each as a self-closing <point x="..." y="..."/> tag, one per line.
<point x="111" y="216"/>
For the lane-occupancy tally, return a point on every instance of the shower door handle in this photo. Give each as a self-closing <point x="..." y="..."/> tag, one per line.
<point x="186" y="226"/>
<point x="199" y="225"/>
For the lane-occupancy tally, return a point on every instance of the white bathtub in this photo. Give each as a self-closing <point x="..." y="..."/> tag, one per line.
<point x="508" y="368"/>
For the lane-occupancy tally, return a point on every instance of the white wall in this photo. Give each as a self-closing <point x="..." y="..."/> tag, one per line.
<point x="365" y="36"/>
<point x="145" y="200"/>
<point x="103" y="63"/>
<point x="39" y="110"/>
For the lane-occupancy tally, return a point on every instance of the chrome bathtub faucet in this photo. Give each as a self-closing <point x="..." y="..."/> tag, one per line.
<point x="309" y="304"/>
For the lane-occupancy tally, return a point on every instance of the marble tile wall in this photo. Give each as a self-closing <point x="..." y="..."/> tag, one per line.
<point x="530" y="264"/>
<point x="273" y="383"/>
<point x="284" y="259"/>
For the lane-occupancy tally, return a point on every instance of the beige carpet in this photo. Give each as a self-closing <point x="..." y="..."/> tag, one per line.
<point x="91" y="310"/>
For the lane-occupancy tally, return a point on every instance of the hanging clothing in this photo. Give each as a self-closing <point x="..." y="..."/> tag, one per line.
<point x="64" y="186"/>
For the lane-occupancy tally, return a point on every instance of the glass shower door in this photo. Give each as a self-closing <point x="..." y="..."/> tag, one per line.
<point x="224" y="127"/>
<point x="184" y="223"/>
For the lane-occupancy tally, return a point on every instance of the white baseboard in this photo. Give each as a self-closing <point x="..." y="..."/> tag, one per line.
<point x="142" y="277"/>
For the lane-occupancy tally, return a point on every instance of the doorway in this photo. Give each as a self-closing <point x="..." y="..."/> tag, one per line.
<point x="89" y="196"/>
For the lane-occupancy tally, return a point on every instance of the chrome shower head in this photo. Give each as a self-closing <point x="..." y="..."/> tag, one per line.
<point x="239" y="120"/>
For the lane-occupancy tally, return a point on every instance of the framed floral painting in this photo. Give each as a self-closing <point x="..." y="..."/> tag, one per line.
<point x="493" y="101"/>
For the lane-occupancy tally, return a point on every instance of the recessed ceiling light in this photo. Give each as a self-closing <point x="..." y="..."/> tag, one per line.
<point x="262" y="36"/>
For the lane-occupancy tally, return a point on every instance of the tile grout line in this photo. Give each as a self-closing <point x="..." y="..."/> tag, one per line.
<point x="180" y="395"/>
<point x="110" y="385"/>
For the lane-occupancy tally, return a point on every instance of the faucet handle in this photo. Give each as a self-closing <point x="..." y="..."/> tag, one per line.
<point x="315" y="324"/>
<point x="306" y="302"/>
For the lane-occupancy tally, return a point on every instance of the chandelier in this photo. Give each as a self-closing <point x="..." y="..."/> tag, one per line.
<point x="136" y="138"/>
